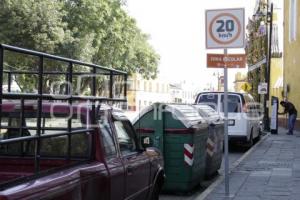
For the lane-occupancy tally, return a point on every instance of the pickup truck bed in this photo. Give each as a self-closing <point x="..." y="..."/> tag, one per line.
<point x="78" y="182"/>
<point x="13" y="168"/>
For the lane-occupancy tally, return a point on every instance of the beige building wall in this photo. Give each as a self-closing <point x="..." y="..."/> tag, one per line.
<point x="291" y="63"/>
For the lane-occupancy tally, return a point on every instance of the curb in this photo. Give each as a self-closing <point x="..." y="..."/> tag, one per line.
<point x="218" y="181"/>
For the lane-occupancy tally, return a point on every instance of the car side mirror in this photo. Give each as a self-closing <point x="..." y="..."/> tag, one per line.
<point x="146" y="142"/>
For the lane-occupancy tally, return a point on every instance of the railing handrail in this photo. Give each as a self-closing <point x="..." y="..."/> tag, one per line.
<point x="59" y="58"/>
<point x="28" y="96"/>
<point x="33" y="137"/>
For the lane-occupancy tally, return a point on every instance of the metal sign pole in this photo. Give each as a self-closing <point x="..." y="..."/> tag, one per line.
<point x="225" y="28"/>
<point x="226" y="168"/>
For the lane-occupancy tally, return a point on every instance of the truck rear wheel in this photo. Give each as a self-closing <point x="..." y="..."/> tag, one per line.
<point x="250" y="142"/>
<point x="258" y="136"/>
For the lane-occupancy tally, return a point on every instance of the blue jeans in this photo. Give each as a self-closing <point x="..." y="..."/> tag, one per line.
<point x="291" y="123"/>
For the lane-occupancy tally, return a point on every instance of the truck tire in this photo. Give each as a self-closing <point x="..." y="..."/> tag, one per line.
<point x="250" y="142"/>
<point x="258" y="136"/>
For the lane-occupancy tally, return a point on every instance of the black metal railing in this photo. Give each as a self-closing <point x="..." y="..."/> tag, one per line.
<point x="41" y="96"/>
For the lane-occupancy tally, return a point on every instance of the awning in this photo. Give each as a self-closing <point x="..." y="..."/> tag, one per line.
<point x="278" y="83"/>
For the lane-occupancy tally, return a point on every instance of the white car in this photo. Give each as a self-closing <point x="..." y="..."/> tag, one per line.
<point x="243" y="114"/>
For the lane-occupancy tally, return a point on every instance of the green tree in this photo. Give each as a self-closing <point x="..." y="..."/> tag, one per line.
<point x="97" y="31"/>
<point x="256" y="48"/>
<point x="34" y="24"/>
<point x="110" y="36"/>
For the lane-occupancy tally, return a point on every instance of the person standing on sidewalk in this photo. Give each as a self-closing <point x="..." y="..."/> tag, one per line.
<point x="291" y="110"/>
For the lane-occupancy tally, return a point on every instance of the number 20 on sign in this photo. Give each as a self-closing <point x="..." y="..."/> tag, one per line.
<point x="225" y="28"/>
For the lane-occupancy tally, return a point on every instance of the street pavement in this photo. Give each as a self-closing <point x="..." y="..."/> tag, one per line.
<point x="271" y="171"/>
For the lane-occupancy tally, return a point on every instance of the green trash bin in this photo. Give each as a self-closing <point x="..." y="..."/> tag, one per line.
<point x="214" y="151"/>
<point x="148" y="128"/>
<point x="181" y="134"/>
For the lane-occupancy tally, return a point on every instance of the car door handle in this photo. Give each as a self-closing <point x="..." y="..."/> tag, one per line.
<point x="130" y="170"/>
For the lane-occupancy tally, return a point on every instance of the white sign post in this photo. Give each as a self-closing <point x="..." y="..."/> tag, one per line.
<point x="225" y="28"/>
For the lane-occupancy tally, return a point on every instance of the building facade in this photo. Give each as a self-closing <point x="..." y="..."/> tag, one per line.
<point x="291" y="74"/>
<point x="142" y="92"/>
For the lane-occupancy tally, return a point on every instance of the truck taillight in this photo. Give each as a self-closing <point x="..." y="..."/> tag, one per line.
<point x="3" y="198"/>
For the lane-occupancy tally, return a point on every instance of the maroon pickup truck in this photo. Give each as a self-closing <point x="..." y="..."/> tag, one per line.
<point x="71" y="148"/>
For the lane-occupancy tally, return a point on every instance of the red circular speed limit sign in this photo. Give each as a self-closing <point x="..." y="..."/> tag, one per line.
<point x="225" y="28"/>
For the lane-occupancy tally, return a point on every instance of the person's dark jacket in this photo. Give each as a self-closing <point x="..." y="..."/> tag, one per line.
<point x="289" y="108"/>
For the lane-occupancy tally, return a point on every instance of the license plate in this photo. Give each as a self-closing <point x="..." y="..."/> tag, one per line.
<point x="231" y="122"/>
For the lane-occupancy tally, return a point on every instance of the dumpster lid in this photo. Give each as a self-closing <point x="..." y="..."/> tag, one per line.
<point x="185" y="113"/>
<point x="208" y="112"/>
<point x="142" y="113"/>
<point x="188" y="115"/>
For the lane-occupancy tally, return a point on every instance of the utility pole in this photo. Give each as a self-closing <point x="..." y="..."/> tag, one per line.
<point x="268" y="68"/>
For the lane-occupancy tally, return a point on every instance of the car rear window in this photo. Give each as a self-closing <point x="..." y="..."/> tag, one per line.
<point x="209" y="99"/>
<point x="234" y="103"/>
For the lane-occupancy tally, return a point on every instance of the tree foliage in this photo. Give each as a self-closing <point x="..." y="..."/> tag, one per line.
<point x="256" y="48"/>
<point x="98" y="31"/>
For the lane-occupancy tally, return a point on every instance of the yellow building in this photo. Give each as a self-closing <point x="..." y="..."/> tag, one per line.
<point x="291" y="73"/>
<point x="276" y="79"/>
<point x="276" y="73"/>
<point x="142" y="92"/>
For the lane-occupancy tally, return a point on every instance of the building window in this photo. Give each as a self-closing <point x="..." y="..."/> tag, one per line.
<point x="138" y="85"/>
<point x="130" y="85"/>
<point x="293" y="20"/>
<point x="150" y="87"/>
<point x="157" y="87"/>
<point x="145" y="86"/>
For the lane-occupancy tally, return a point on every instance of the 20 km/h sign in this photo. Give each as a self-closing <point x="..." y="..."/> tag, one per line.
<point x="225" y="28"/>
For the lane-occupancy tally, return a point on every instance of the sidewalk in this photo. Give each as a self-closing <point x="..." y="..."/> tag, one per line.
<point x="270" y="172"/>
